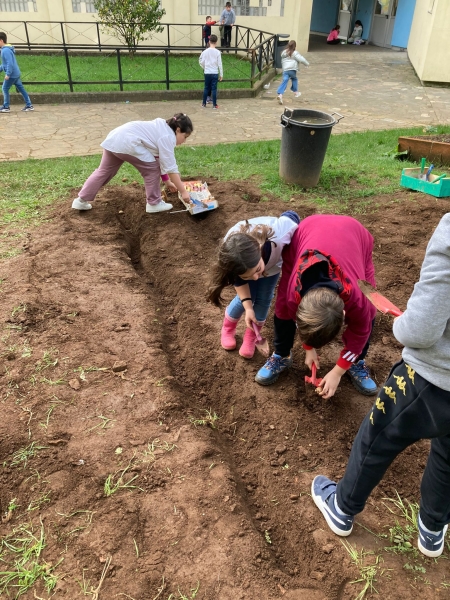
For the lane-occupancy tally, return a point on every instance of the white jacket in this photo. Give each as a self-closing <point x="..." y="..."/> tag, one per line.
<point x="290" y="63"/>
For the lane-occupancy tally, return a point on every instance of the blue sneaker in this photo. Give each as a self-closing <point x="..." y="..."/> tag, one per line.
<point x="430" y="544"/>
<point x="360" y="376"/>
<point x="323" y="492"/>
<point x="271" y="370"/>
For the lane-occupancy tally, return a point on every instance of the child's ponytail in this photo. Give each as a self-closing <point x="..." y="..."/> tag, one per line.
<point x="182" y="121"/>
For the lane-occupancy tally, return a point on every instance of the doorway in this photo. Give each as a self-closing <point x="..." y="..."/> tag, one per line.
<point x="383" y="22"/>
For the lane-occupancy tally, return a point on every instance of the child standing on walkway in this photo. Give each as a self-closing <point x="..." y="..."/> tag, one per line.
<point x="333" y="35"/>
<point x="290" y="60"/>
<point x="318" y="293"/>
<point x="413" y="404"/>
<point x="211" y="62"/>
<point x="148" y="146"/>
<point x="12" y="76"/>
<point x="250" y="260"/>
<point x="227" y="20"/>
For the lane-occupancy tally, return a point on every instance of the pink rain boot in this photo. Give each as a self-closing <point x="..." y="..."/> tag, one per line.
<point x="247" y="350"/>
<point x="227" y="339"/>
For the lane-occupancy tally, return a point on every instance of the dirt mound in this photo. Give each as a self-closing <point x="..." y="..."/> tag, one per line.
<point x="135" y="438"/>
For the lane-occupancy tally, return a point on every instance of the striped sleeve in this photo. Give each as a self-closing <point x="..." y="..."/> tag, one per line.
<point x="346" y="359"/>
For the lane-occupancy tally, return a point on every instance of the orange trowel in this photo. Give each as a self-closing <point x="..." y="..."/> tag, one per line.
<point x="262" y="345"/>
<point x="380" y="302"/>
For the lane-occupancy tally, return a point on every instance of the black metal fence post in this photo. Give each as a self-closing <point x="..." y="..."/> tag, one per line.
<point x="27" y="36"/>
<point x="119" y="66"/>
<point x="69" y="74"/>
<point x="166" y="56"/>
<point x="63" y="39"/>
<point x="98" y="36"/>
<point x="168" y="35"/>
<point x="252" y="73"/>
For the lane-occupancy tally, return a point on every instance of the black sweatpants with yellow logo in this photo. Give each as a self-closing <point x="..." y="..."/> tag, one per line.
<point x="407" y="409"/>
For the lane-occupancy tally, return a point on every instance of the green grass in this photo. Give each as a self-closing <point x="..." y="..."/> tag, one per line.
<point x="355" y="169"/>
<point x="104" y="67"/>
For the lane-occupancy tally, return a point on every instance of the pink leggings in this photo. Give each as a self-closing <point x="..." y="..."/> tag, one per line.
<point x="110" y="164"/>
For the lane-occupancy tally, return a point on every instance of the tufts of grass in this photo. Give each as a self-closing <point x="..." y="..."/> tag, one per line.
<point x="405" y="531"/>
<point x="23" y="455"/>
<point x="367" y="572"/>
<point x="209" y="419"/>
<point x="115" y="482"/>
<point x="21" y="562"/>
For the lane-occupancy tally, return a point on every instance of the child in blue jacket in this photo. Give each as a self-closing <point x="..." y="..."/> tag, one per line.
<point x="12" y="75"/>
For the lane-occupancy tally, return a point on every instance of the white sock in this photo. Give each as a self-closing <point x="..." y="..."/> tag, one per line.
<point x="338" y="510"/>
<point x="428" y="530"/>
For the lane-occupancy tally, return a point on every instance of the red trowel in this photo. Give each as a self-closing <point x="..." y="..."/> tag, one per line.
<point x="262" y="345"/>
<point x="316" y="382"/>
<point x="380" y="302"/>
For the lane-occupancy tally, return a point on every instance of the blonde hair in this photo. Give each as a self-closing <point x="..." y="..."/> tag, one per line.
<point x="320" y="317"/>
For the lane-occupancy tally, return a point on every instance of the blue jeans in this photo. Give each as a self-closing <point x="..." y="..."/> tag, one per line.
<point x="286" y="76"/>
<point x="261" y="292"/>
<point x="210" y="89"/>
<point x="7" y="85"/>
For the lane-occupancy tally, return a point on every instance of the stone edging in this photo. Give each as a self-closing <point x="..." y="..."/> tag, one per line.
<point x="138" y="96"/>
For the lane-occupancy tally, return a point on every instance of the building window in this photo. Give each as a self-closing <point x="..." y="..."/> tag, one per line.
<point x="242" y="8"/>
<point x="269" y="2"/>
<point x="18" y="6"/>
<point x="83" y="6"/>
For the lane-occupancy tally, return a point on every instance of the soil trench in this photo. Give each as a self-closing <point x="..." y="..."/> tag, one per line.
<point x="114" y="368"/>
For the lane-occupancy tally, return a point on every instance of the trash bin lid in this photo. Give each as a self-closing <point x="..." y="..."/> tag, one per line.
<point x="308" y="118"/>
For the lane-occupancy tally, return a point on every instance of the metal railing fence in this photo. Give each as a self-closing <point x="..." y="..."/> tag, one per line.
<point x="253" y="48"/>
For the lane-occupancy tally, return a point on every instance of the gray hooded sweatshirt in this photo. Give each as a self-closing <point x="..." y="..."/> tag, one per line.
<point x="424" y="328"/>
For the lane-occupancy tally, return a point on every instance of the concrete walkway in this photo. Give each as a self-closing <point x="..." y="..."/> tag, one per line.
<point x="373" y="88"/>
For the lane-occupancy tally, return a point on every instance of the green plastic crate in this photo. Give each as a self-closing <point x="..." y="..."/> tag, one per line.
<point x="410" y="179"/>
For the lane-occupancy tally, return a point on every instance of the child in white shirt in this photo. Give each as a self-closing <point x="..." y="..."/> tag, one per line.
<point x="211" y="62"/>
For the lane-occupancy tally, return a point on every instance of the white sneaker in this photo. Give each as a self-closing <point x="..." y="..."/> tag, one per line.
<point x="79" y="204"/>
<point x="297" y="94"/>
<point x="160" y="207"/>
<point x="280" y="98"/>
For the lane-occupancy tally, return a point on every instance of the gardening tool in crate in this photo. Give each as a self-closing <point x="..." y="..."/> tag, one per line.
<point x="380" y="302"/>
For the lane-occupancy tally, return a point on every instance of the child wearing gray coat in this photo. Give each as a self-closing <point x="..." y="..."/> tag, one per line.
<point x="290" y="60"/>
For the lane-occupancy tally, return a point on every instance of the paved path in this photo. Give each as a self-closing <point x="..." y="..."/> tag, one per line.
<point x="373" y="88"/>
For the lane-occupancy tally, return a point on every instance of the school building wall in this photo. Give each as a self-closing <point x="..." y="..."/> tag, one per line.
<point x="428" y="46"/>
<point x="290" y="17"/>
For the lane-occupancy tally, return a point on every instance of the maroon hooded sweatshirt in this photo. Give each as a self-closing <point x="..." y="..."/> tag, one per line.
<point x="344" y="247"/>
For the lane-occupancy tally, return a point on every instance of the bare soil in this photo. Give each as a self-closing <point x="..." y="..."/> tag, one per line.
<point x="110" y="352"/>
<point x="442" y="137"/>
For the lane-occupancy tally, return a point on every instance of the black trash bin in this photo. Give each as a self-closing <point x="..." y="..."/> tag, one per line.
<point x="304" y="142"/>
<point x="280" y="46"/>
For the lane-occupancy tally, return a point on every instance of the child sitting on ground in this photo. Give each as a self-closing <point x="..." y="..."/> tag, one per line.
<point x="333" y="35"/>
<point x="413" y="404"/>
<point x="356" y="37"/>
<point x="148" y="146"/>
<point x="318" y="293"/>
<point x="250" y="260"/>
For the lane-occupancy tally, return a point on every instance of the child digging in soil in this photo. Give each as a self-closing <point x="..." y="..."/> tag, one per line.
<point x="318" y="293"/>
<point x="413" y="404"/>
<point x="250" y="260"/>
<point x="148" y="146"/>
